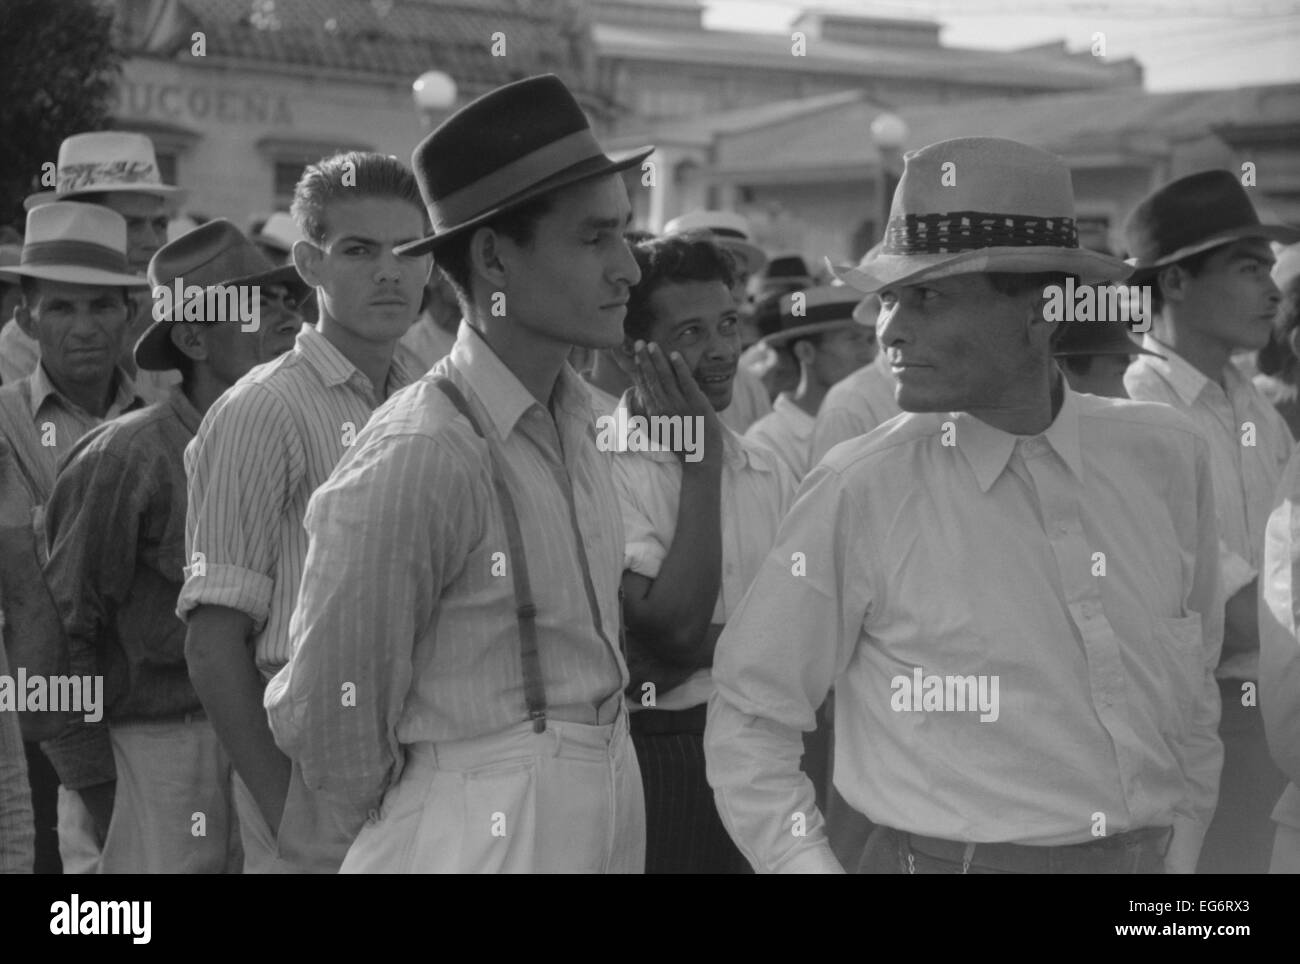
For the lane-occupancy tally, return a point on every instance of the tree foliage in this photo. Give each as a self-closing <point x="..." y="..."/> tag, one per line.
<point x="58" y="75"/>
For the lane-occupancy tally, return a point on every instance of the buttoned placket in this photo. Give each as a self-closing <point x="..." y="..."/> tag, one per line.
<point x="1057" y="494"/>
<point x="1226" y="412"/>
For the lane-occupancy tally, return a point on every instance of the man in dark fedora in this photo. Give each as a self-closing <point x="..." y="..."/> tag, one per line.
<point x="1013" y="587"/>
<point x="116" y="531"/>
<point x="1200" y="246"/>
<point x="1094" y="355"/>
<point x="819" y="329"/>
<point x="461" y="588"/>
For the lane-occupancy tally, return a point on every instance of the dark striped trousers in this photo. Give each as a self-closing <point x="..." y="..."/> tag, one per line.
<point x="684" y="834"/>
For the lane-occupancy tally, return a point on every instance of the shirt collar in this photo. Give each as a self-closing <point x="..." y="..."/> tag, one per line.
<point x="502" y="393"/>
<point x="786" y="406"/>
<point x="182" y="408"/>
<point x="333" y="366"/>
<point x="988" y="449"/>
<point x="1186" y="380"/>
<point x="43" y="389"/>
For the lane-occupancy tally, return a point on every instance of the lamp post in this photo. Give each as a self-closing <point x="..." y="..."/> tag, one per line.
<point x="888" y="133"/>
<point x="434" y="93"/>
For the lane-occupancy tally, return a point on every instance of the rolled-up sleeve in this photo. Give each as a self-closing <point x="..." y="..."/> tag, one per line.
<point x="242" y="468"/>
<point x="791" y="637"/>
<point x="384" y="530"/>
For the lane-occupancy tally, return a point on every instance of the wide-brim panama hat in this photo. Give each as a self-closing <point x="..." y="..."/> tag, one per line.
<point x="502" y="150"/>
<point x="76" y="243"/>
<point x="215" y="253"/>
<point x="728" y="230"/>
<point x="106" y="162"/>
<point x="1193" y="214"/>
<point x="980" y="204"/>
<point x="824" y="308"/>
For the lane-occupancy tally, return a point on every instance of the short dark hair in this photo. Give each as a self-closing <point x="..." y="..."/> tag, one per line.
<point x="670" y="260"/>
<point x="366" y="174"/>
<point x="1193" y="264"/>
<point x="518" y="224"/>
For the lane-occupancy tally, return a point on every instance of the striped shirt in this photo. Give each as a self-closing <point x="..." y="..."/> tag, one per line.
<point x="262" y="449"/>
<point x="854" y="406"/>
<point x="407" y="594"/>
<point x="17" y="826"/>
<point x="1247" y="464"/>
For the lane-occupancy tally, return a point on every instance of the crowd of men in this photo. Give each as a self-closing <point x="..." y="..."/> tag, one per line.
<point x="948" y="584"/>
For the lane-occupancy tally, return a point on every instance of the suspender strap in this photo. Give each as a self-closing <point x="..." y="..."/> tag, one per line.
<point x="525" y="611"/>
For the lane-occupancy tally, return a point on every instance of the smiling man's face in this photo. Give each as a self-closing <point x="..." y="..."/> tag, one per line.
<point x="700" y="320"/>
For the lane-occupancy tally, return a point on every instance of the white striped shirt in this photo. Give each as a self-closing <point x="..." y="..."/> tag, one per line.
<point x="408" y="594"/>
<point x="262" y="449"/>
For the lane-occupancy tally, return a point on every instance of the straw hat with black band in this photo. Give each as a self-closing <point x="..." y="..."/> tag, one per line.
<point x="82" y="244"/>
<point x="976" y="205"/>
<point x="821" y="309"/>
<point x="502" y="150"/>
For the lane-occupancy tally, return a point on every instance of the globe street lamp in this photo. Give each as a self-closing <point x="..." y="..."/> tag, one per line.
<point x="888" y="133"/>
<point x="434" y="94"/>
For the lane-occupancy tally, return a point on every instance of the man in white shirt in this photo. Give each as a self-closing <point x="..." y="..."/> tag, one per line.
<point x="698" y="520"/>
<point x="1199" y="245"/>
<point x="1013" y="588"/>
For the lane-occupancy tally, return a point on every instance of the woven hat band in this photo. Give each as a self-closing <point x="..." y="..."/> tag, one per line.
<point x="972" y="230"/>
<point x="82" y="254"/>
<point x="491" y="189"/>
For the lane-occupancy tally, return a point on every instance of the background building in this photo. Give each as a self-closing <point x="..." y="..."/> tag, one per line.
<point x="777" y="126"/>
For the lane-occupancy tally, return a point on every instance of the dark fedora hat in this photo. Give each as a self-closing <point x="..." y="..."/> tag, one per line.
<point x="816" y="310"/>
<point x="1194" y="214"/>
<point x="1097" y="338"/>
<point x="214" y="253"/>
<point x="507" y="147"/>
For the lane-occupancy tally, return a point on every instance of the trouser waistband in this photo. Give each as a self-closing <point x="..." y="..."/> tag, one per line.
<point x="1121" y="849"/>
<point x="561" y="738"/>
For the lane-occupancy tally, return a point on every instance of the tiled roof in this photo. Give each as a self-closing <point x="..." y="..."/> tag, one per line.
<point x="1046" y="69"/>
<point x="393" y="37"/>
<point x="1129" y="122"/>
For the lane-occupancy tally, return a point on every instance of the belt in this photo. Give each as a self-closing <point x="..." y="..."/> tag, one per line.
<point x="669" y="722"/>
<point x="590" y="714"/>
<point x="1123" y="852"/>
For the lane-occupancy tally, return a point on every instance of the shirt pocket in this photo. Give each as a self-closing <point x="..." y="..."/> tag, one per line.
<point x="1183" y="652"/>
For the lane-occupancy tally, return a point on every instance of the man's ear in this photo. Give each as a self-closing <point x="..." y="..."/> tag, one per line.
<point x="485" y="251"/>
<point x="189" y="341"/>
<point x="804" y="351"/>
<point x="23" y="316"/>
<point x="307" y="259"/>
<point x="1172" y="282"/>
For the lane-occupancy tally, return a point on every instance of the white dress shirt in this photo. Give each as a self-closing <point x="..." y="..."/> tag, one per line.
<point x="1245" y="476"/>
<point x="788" y="431"/>
<point x="1078" y="568"/>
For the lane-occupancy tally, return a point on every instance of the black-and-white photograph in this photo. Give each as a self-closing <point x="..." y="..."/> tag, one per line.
<point x="650" y="436"/>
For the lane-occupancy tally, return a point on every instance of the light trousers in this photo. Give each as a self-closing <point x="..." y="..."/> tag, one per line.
<point x="567" y="800"/>
<point x="173" y="811"/>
